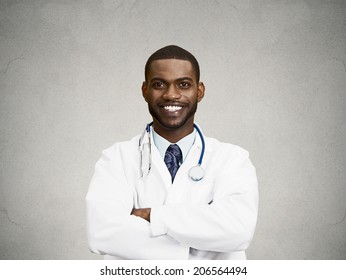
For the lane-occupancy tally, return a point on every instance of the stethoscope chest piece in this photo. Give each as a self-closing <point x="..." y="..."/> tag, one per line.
<point x="196" y="173"/>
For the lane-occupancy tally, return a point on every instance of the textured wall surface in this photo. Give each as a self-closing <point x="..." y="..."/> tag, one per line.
<point x="70" y="78"/>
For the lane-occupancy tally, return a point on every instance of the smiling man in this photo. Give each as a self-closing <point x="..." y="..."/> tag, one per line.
<point x="172" y="193"/>
<point x="172" y="91"/>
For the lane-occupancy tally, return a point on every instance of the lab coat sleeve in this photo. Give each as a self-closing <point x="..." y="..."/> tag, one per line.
<point x="226" y="224"/>
<point x="111" y="229"/>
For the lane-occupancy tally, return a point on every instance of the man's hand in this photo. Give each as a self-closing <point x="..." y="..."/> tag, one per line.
<point x="143" y="213"/>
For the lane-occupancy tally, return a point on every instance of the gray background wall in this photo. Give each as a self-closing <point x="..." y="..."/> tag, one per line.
<point x="70" y="77"/>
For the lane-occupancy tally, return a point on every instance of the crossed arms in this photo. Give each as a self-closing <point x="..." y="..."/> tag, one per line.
<point x="168" y="231"/>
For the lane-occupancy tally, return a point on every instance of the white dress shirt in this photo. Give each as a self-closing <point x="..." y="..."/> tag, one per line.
<point x="184" y="144"/>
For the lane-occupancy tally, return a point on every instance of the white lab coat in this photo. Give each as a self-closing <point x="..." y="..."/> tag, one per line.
<point x="213" y="218"/>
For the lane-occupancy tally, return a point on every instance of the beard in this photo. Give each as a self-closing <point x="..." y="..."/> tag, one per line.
<point x="173" y="125"/>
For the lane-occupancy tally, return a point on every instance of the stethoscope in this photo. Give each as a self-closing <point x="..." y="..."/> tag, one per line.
<point x="196" y="173"/>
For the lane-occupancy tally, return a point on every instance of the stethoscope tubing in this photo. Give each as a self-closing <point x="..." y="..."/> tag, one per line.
<point x="203" y="144"/>
<point x="192" y="173"/>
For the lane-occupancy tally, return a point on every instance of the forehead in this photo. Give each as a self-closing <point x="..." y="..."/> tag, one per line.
<point x="171" y="69"/>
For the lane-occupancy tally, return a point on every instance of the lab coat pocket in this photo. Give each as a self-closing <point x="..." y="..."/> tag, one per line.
<point x="201" y="194"/>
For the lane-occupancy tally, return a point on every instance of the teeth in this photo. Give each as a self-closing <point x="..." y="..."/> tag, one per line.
<point x="172" y="108"/>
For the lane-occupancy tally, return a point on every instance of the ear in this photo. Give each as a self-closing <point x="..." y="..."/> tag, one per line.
<point x="200" y="91"/>
<point x="145" y="90"/>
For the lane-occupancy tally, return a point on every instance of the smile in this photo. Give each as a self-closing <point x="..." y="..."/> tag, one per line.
<point x="172" y="108"/>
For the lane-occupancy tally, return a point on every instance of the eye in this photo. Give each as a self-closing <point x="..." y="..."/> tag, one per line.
<point x="185" y="85"/>
<point x="158" y="84"/>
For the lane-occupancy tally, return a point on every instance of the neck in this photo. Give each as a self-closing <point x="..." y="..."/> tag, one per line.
<point x="173" y="135"/>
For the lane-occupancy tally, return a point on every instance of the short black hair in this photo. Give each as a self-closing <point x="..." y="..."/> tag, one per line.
<point x="173" y="52"/>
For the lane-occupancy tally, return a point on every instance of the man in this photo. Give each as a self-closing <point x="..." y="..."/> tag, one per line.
<point x="143" y="202"/>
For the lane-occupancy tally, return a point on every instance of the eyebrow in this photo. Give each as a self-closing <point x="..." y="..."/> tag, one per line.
<point x="165" y="81"/>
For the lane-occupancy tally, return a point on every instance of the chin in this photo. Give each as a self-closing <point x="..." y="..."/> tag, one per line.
<point x="172" y="125"/>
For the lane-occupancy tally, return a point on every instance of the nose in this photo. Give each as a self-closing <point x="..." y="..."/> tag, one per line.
<point x="172" y="93"/>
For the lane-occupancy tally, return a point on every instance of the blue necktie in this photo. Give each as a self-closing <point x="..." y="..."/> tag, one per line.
<point x="173" y="158"/>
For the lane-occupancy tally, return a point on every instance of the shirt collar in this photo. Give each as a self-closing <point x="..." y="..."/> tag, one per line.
<point x="184" y="144"/>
